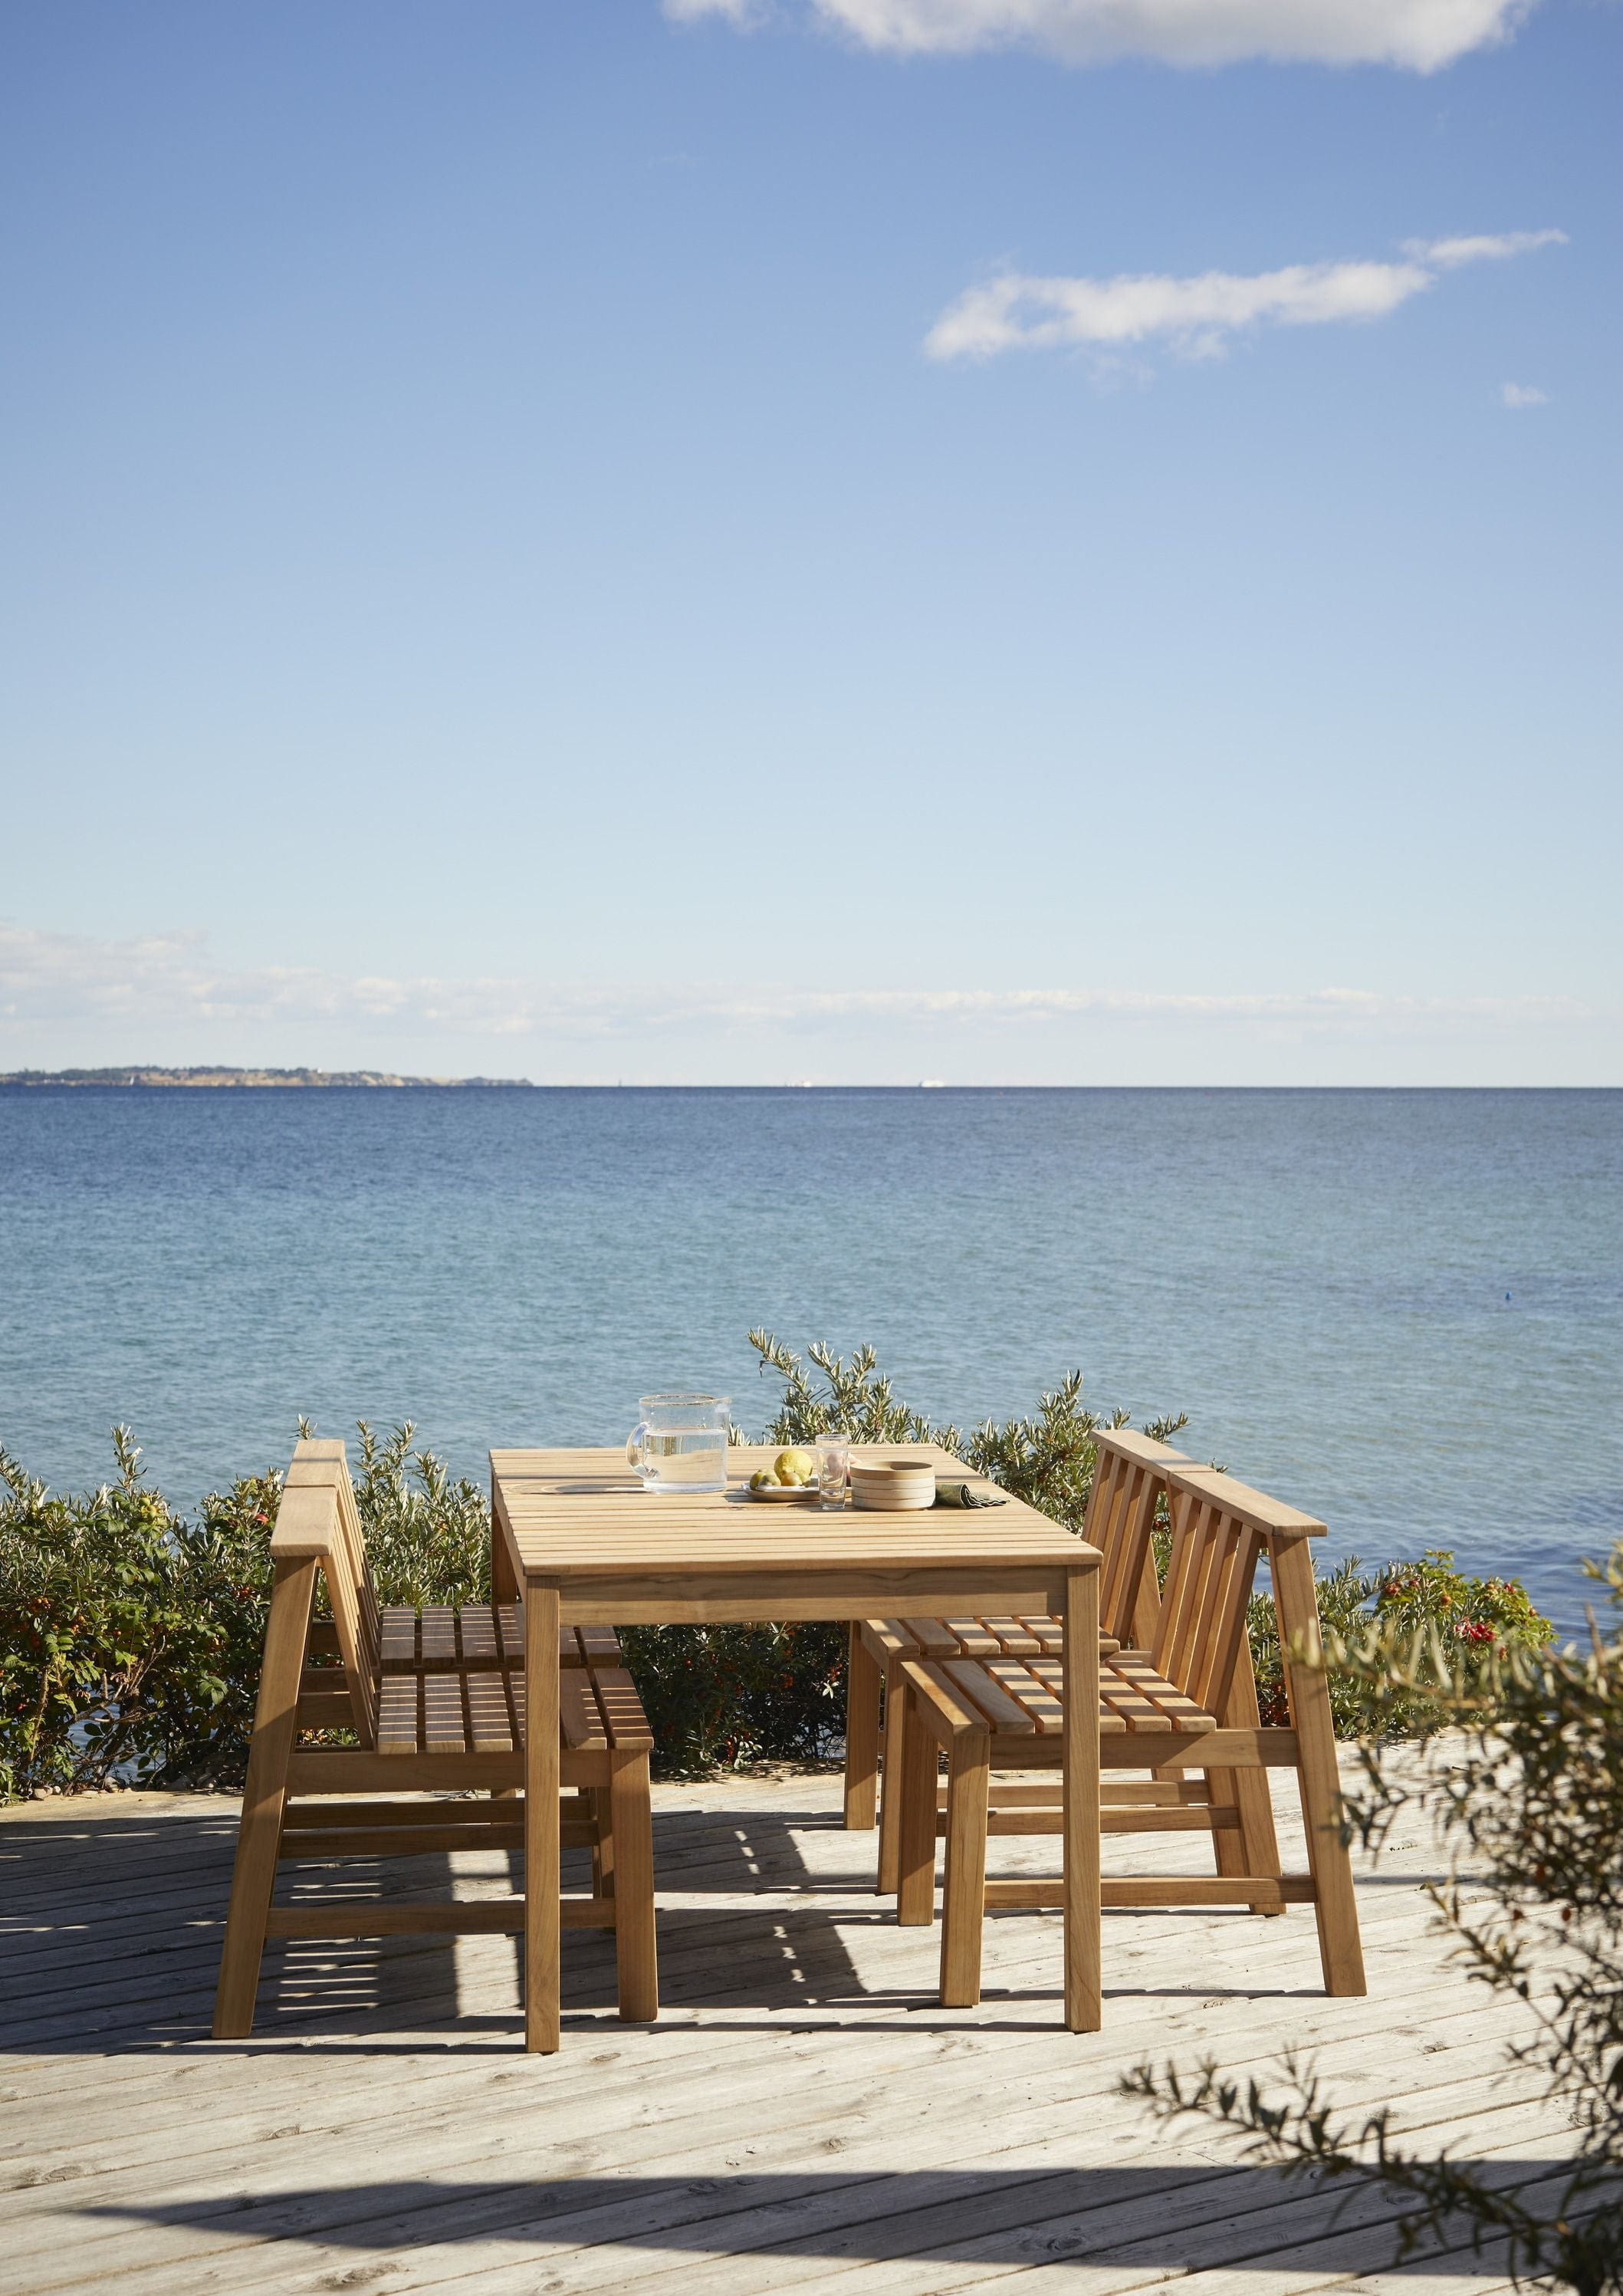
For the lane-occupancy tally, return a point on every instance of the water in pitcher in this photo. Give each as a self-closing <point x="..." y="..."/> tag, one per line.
<point x="690" y="1459"/>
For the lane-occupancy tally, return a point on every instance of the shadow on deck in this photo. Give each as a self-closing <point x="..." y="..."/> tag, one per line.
<point x="1139" y="2214"/>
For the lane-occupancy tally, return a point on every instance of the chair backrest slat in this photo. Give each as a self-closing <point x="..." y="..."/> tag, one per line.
<point x="1182" y="1591"/>
<point x="1229" y="1565"/>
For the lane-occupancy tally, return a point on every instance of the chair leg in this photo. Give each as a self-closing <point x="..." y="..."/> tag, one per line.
<point x="963" y="1899"/>
<point x="603" y="1846"/>
<point x="631" y="1863"/>
<point x="1083" y="1895"/>
<point x="891" y="1785"/>
<point x="264" y="1796"/>
<point x="912" y="1785"/>
<point x="1254" y="1847"/>
<point x="1335" y="1906"/>
<point x="861" y="1734"/>
<point x="543" y="1832"/>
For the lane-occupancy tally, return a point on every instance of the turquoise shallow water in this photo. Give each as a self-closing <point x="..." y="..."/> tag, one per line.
<point x="1401" y="1310"/>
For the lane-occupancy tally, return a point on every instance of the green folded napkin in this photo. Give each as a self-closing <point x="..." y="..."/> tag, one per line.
<point x="968" y="1495"/>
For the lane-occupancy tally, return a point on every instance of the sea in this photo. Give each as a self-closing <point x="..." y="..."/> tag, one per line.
<point x="1401" y="1310"/>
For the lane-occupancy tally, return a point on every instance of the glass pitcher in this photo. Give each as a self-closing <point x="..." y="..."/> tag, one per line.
<point x="680" y="1442"/>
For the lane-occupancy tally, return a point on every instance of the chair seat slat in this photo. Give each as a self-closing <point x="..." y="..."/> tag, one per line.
<point x="397" y="1714"/>
<point x="443" y="1728"/>
<point x="477" y="1635"/>
<point x="398" y="1640"/>
<point x="975" y="1638"/>
<point x="436" y="1624"/>
<point x="490" y="1726"/>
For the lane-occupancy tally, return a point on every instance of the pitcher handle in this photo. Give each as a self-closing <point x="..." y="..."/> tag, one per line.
<point x="634" y="1441"/>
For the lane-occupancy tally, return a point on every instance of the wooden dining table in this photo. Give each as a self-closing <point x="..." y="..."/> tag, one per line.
<point x="579" y="1539"/>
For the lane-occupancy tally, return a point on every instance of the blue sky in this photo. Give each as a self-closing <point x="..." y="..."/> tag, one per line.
<point x="498" y="575"/>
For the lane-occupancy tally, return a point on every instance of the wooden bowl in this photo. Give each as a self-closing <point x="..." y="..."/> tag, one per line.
<point x="893" y="1486"/>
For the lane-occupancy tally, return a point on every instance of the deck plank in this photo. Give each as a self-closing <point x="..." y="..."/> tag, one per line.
<point x="803" y="2116"/>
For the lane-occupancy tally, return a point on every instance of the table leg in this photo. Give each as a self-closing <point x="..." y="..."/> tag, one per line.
<point x="543" y="1861"/>
<point x="1084" y="2008"/>
<point x="504" y="1588"/>
<point x="635" y="1951"/>
<point x="861" y="1731"/>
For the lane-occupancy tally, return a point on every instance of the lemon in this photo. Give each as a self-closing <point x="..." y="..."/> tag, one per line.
<point x="794" y="1466"/>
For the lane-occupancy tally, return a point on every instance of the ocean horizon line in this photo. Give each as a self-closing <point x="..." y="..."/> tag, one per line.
<point x="222" y="1078"/>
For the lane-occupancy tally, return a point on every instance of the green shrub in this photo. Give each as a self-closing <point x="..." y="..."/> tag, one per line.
<point x="1429" y="1596"/>
<point x="130" y="1636"/>
<point x="718" y="1697"/>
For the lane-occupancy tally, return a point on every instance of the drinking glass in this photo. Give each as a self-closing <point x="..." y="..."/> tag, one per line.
<point x="834" y="1464"/>
<point x="680" y="1442"/>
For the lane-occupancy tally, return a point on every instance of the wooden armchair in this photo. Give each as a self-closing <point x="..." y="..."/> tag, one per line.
<point x="1127" y="1484"/>
<point x="1183" y="1710"/>
<point x="435" y="1701"/>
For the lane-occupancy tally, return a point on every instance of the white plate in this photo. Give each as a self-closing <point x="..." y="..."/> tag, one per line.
<point x="778" y="1494"/>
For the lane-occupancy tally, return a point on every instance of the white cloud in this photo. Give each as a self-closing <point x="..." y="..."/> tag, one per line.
<point x="1523" y="394"/>
<point x="1197" y="318"/>
<point x="1416" y="35"/>
<point x="164" y="982"/>
<point x="1480" y="247"/>
<point x="740" y="13"/>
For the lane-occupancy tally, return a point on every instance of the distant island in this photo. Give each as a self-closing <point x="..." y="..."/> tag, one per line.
<point x="324" y="1079"/>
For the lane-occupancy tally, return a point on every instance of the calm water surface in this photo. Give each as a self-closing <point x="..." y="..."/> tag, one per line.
<point x="1401" y="1310"/>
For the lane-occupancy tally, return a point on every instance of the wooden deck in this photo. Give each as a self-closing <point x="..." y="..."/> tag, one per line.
<point x="803" y="2117"/>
